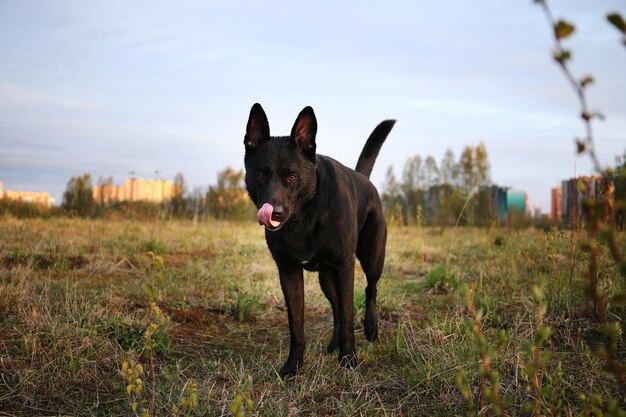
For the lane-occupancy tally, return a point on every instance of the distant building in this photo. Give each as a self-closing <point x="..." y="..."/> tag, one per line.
<point x="27" y="196"/>
<point x="533" y="212"/>
<point x="517" y="200"/>
<point x="134" y="189"/>
<point x="555" y="204"/>
<point x="500" y="206"/>
<point x="575" y="190"/>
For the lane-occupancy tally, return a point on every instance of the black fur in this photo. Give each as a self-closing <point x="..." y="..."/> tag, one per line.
<point x="327" y="214"/>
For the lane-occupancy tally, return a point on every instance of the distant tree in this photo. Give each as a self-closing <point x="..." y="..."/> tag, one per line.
<point x="481" y="208"/>
<point x="433" y="195"/>
<point x="392" y="198"/>
<point x="178" y="205"/>
<point x="24" y="210"/>
<point x="448" y="195"/>
<point x="78" y="196"/>
<point x="229" y="179"/>
<point x="412" y="186"/>
<point x="474" y="166"/>
<point x="481" y="165"/>
<point x="451" y="200"/>
<point x="229" y="199"/>
<point x="474" y="169"/>
<point x="449" y="170"/>
<point x="431" y="172"/>
<point x="466" y="165"/>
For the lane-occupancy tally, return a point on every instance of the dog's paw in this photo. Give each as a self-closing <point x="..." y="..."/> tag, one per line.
<point x="290" y="369"/>
<point x="348" y="360"/>
<point x="370" y="327"/>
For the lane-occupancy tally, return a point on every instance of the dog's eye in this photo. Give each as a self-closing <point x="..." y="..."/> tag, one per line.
<point x="292" y="177"/>
<point x="260" y="177"/>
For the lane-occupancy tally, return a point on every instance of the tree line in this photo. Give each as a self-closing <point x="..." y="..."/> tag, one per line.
<point x="226" y="200"/>
<point x="449" y="193"/>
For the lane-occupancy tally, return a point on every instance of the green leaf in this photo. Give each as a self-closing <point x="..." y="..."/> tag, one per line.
<point x="561" y="56"/>
<point x="616" y="20"/>
<point x="543" y="333"/>
<point x="563" y="29"/>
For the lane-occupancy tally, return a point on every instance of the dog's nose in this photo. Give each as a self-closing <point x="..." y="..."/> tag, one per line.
<point x="278" y="212"/>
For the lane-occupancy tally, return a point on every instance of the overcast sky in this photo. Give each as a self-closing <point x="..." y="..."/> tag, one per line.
<point x="109" y="87"/>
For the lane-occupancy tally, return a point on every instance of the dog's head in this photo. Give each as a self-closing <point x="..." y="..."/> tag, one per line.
<point x="280" y="171"/>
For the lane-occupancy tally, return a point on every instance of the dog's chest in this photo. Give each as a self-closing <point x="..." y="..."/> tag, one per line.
<point x="304" y="251"/>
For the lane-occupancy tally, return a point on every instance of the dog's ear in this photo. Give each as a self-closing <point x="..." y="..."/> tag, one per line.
<point x="304" y="131"/>
<point x="258" y="129"/>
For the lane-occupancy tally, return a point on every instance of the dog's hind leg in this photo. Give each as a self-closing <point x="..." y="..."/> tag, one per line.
<point x="327" y="279"/>
<point x="371" y="254"/>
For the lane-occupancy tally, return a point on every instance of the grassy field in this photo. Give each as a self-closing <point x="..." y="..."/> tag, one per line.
<point x="75" y="303"/>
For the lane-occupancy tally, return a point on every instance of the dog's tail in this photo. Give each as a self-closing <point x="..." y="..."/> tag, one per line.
<point x="370" y="151"/>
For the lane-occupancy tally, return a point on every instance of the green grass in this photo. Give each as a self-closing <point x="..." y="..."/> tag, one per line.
<point x="75" y="303"/>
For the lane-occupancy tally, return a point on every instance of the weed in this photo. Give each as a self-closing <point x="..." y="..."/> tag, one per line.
<point x="132" y="372"/>
<point x="536" y="359"/>
<point x="131" y="336"/>
<point x="441" y="279"/>
<point x="153" y="245"/>
<point x="499" y="240"/>
<point x="245" y="305"/>
<point x="490" y="386"/>
<point x="242" y="402"/>
<point x="188" y="400"/>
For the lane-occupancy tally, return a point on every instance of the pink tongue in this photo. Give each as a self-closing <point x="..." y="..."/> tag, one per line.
<point x="265" y="215"/>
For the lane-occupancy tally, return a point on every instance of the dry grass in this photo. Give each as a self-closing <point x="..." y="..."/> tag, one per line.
<point x="73" y="304"/>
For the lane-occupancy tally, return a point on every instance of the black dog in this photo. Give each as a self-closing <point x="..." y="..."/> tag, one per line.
<point x="317" y="214"/>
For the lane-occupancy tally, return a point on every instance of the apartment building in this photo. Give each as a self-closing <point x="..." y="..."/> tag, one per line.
<point x="516" y="199"/>
<point x="134" y="189"/>
<point x="27" y="196"/>
<point x="574" y="191"/>
<point x="555" y="203"/>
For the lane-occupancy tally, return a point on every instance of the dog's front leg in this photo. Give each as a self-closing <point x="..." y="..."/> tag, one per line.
<point x="345" y="289"/>
<point x="292" y="283"/>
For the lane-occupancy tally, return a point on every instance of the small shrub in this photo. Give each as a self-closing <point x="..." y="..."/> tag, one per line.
<point x="440" y="279"/>
<point x="245" y="305"/>
<point x="130" y="336"/>
<point x="153" y="245"/>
